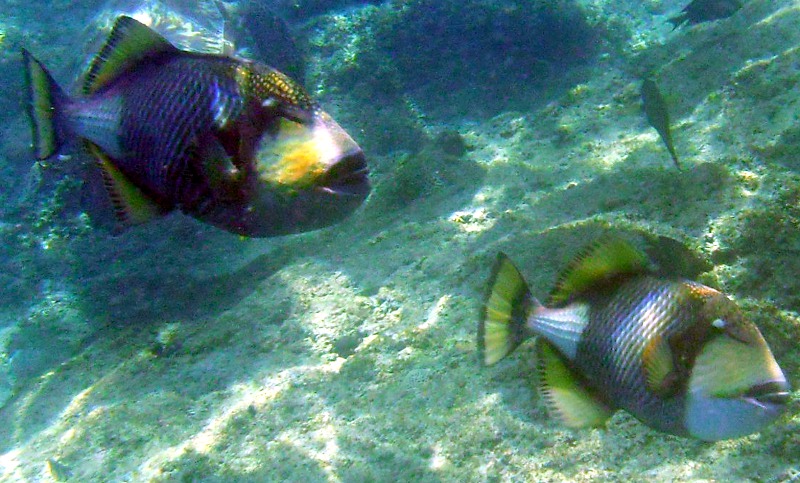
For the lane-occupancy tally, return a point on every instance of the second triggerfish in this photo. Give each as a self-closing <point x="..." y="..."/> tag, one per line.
<point x="679" y="356"/>
<point x="234" y="143"/>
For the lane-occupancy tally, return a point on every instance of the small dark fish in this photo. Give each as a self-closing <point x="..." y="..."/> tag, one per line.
<point x="234" y="143"/>
<point x="705" y="10"/>
<point x="655" y="108"/>
<point x="679" y="356"/>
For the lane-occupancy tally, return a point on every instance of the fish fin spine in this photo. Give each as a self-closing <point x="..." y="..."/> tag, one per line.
<point x="45" y="101"/>
<point x="565" y="395"/>
<point x="507" y="305"/>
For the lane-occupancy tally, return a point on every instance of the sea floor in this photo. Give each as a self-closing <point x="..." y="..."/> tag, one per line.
<point x="349" y="354"/>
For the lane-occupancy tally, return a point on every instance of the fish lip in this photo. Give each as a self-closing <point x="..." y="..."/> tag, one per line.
<point x="348" y="176"/>
<point x="771" y="393"/>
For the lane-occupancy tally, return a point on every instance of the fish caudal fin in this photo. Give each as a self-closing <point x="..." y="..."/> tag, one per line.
<point x="45" y="98"/>
<point x="506" y="309"/>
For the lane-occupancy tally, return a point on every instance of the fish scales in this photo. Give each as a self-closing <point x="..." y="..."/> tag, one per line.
<point x="168" y="108"/>
<point x="619" y="328"/>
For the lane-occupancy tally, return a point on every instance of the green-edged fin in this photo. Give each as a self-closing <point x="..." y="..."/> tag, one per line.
<point x="129" y="43"/>
<point x="659" y="367"/>
<point x="508" y="303"/>
<point x="44" y="97"/>
<point x="566" y="398"/>
<point x="131" y="205"/>
<point x="608" y="259"/>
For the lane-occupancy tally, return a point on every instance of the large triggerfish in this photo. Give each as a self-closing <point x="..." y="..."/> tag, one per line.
<point x="234" y="143"/>
<point x="679" y="356"/>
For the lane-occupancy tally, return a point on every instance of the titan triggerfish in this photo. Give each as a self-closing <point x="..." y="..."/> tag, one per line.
<point x="679" y="356"/>
<point x="234" y="143"/>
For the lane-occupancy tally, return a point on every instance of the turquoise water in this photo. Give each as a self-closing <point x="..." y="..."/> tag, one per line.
<point x="179" y="352"/>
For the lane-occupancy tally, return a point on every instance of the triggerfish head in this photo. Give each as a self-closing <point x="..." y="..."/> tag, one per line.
<point x="679" y="356"/>
<point x="233" y="143"/>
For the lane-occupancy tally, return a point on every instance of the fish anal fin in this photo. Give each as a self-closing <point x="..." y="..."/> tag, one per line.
<point x="131" y="205"/>
<point x="566" y="398"/>
<point x="129" y="43"/>
<point x="610" y="258"/>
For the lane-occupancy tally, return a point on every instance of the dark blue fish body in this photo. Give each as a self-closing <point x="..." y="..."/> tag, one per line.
<point x="234" y="143"/>
<point x="165" y="110"/>
<point x="613" y="340"/>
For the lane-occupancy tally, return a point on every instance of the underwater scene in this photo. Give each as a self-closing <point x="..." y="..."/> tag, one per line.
<point x="400" y="240"/>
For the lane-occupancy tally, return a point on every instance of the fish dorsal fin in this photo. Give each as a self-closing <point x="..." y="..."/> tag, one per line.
<point x="567" y="399"/>
<point x="131" y="205"/>
<point x="603" y="261"/>
<point x="129" y="42"/>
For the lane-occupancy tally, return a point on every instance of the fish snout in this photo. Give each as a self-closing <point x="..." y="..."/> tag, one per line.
<point x="347" y="176"/>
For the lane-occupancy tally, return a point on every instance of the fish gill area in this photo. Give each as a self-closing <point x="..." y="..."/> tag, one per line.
<point x="179" y="352"/>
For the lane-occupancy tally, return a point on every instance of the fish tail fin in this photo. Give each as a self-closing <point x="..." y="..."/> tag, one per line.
<point x="45" y="99"/>
<point x="506" y="309"/>
<point x="674" y="156"/>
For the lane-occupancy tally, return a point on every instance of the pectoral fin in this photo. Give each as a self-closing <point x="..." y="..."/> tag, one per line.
<point x="219" y="168"/>
<point x="661" y="375"/>
<point x="565" y="396"/>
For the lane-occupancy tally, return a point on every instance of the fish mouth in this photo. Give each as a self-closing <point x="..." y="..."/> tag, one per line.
<point x="771" y="393"/>
<point x="348" y="176"/>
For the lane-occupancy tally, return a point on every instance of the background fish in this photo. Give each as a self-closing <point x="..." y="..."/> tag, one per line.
<point x="655" y="108"/>
<point x="705" y="10"/>
<point x="233" y="143"/>
<point x="676" y="354"/>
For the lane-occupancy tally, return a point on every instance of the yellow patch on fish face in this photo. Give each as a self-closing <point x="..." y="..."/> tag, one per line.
<point x="294" y="160"/>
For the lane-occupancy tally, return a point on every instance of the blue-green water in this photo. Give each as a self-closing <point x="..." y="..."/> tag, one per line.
<point x="180" y="352"/>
